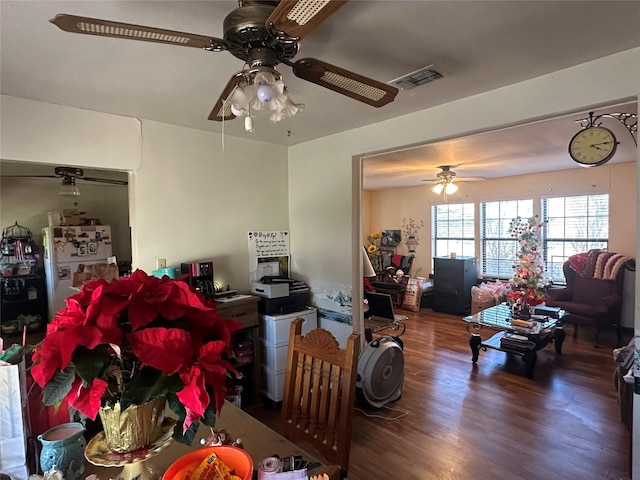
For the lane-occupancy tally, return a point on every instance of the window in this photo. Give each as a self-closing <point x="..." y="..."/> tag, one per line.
<point x="575" y="225"/>
<point x="498" y="247"/>
<point x="453" y="229"/>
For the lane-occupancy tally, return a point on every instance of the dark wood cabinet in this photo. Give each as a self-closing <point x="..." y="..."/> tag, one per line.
<point x="452" y="282"/>
<point x="246" y="353"/>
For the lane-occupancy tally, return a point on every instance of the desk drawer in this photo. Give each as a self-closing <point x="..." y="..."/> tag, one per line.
<point x="275" y="358"/>
<point x="275" y="329"/>
<point x="247" y="313"/>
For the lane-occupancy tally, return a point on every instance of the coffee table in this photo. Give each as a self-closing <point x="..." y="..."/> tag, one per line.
<point x="515" y="338"/>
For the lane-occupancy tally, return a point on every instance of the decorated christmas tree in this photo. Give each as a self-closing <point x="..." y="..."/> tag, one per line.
<point x="528" y="281"/>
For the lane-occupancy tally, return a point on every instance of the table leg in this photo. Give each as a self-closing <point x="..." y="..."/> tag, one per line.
<point x="559" y="335"/>
<point x="530" y="359"/>
<point x="474" y="343"/>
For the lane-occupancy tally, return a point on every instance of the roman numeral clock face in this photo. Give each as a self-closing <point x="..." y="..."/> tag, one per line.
<point x="593" y="146"/>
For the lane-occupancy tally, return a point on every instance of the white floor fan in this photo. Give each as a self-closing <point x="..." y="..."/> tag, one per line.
<point x="381" y="368"/>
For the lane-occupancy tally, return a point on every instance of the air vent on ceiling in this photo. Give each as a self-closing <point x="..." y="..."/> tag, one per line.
<point x="417" y="78"/>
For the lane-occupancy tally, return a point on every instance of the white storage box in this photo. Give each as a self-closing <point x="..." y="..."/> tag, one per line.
<point x="274" y="329"/>
<point x="270" y="290"/>
<point x="275" y="358"/>
<point x="273" y="384"/>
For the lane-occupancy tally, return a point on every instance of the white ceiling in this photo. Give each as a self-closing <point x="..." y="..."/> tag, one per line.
<point x="477" y="46"/>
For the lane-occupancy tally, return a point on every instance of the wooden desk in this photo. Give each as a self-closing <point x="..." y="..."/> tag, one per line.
<point x="258" y="440"/>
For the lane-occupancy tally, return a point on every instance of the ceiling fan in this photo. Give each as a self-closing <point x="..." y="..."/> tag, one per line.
<point x="262" y="33"/>
<point x="69" y="176"/>
<point x="446" y="178"/>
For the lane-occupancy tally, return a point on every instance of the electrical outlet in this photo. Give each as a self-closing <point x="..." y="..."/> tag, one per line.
<point x="161" y="263"/>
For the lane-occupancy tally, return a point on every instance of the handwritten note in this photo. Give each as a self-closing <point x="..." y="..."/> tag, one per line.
<point x="273" y="244"/>
<point x="269" y="244"/>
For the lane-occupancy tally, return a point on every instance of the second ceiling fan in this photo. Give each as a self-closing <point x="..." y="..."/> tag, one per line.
<point x="262" y="33"/>
<point x="446" y="178"/>
<point x="69" y="175"/>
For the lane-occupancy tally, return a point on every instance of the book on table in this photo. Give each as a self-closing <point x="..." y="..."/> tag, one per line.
<point x="515" y="340"/>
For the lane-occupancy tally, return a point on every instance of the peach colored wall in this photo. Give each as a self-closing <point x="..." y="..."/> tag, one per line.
<point x="385" y="209"/>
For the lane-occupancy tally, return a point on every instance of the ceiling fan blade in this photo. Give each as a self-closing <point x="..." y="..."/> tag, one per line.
<point x="104" y="180"/>
<point x="106" y="28"/>
<point x="455" y="179"/>
<point x="296" y="18"/>
<point x="470" y="179"/>
<point x="345" y="82"/>
<point x="222" y="108"/>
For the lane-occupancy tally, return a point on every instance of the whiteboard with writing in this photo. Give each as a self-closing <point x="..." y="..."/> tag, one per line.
<point x="266" y="245"/>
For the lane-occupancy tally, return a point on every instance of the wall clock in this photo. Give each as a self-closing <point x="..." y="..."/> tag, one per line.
<point x="593" y="146"/>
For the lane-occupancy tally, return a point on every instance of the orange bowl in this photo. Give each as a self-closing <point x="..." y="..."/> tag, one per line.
<point x="235" y="458"/>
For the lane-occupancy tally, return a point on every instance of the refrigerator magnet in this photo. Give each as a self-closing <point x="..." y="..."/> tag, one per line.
<point x="92" y="248"/>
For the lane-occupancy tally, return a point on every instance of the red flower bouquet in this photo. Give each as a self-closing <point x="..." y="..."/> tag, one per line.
<point x="133" y="340"/>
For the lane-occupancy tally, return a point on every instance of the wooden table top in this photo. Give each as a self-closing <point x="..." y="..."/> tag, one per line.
<point x="258" y="440"/>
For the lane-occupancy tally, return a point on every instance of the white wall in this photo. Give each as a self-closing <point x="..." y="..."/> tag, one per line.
<point x="47" y="133"/>
<point x="192" y="201"/>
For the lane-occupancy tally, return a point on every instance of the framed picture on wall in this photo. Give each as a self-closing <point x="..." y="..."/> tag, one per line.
<point x="390" y="238"/>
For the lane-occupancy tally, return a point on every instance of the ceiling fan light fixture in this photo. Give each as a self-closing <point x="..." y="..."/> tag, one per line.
<point x="261" y="88"/>
<point x="265" y="93"/>
<point x="238" y="112"/>
<point x="437" y="188"/>
<point x="450" y="188"/>
<point x="68" y="187"/>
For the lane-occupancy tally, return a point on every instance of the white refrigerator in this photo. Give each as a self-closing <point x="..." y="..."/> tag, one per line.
<point x="74" y="255"/>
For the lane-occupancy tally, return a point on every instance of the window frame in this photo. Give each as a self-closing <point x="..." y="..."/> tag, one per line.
<point x="466" y="207"/>
<point x="554" y="268"/>
<point x="505" y="239"/>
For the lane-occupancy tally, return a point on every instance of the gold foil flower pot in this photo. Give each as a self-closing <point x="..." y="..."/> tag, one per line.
<point x="133" y="428"/>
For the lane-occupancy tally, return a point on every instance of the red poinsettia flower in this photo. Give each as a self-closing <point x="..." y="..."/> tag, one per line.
<point x="136" y="331"/>
<point x="209" y="369"/>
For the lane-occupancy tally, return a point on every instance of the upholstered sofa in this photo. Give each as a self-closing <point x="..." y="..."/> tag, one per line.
<point x="593" y="295"/>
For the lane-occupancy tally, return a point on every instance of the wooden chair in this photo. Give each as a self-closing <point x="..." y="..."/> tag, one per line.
<point x="319" y="392"/>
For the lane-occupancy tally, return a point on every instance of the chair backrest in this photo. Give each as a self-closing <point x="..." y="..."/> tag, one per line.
<point x="570" y="276"/>
<point x="319" y="392"/>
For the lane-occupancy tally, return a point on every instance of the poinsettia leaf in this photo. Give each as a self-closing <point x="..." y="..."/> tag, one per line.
<point x="59" y="386"/>
<point x="179" y="435"/>
<point x="165" y="384"/>
<point x="91" y="363"/>
<point x="138" y="389"/>
<point x="175" y="405"/>
<point x="209" y="417"/>
<point x="188" y="435"/>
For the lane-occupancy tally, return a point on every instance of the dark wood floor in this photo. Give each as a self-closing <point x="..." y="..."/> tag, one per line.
<point x="487" y="421"/>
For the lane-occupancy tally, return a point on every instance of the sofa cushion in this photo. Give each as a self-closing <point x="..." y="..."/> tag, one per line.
<point x="591" y="290"/>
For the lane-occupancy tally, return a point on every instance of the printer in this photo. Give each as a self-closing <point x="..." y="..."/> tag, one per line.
<point x="280" y="295"/>
<point x="270" y="290"/>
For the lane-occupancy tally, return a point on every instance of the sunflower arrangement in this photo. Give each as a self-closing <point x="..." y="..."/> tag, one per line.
<point x="373" y="250"/>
